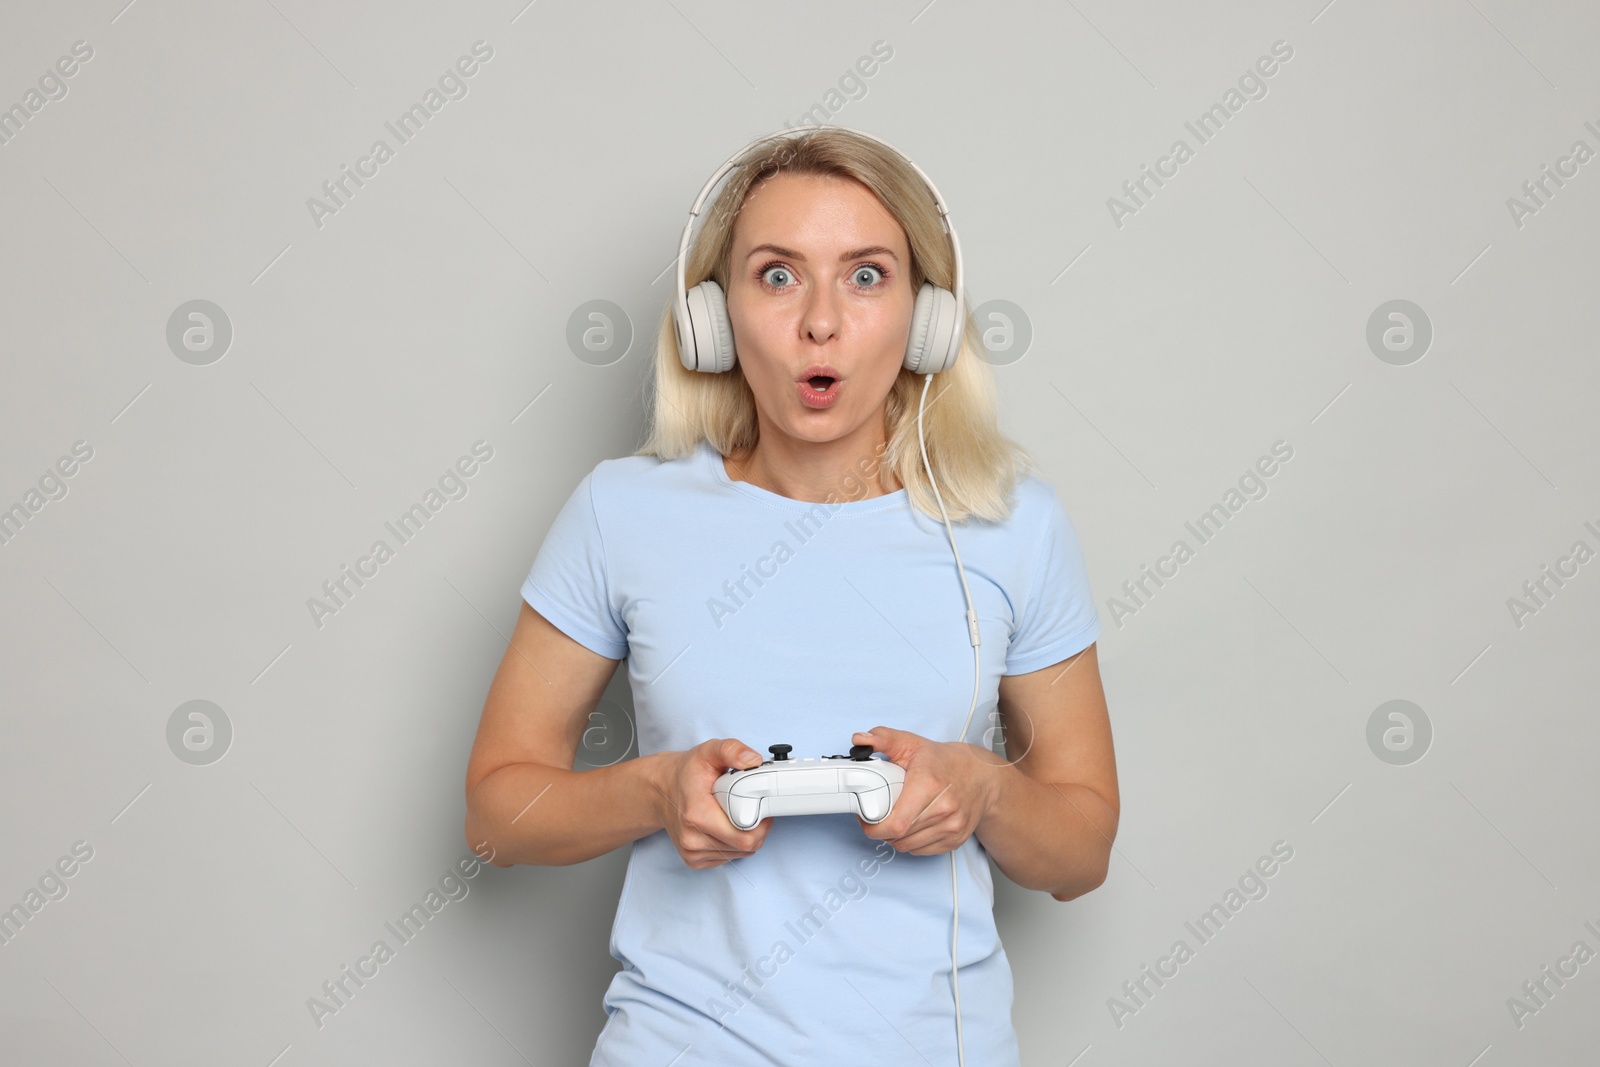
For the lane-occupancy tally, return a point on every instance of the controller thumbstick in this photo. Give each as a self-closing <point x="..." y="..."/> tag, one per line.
<point x="780" y="752"/>
<point x="860" y="752"/>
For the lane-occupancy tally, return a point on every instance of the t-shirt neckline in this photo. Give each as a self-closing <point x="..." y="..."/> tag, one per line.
<point x="713" y="460"/>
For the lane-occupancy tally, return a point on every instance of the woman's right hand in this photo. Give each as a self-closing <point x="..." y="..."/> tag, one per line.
<point x="690" y="814"/>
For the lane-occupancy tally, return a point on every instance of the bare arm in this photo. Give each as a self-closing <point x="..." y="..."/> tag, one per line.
<point x="525" y="801"/>
<point x="536" y="710"/>
<point x="1052" y="825"/>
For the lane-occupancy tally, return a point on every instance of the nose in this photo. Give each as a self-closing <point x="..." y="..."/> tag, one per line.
<point x="819" y="319"/>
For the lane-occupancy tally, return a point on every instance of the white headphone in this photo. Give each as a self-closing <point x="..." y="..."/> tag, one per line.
<point x="705" y="337"/>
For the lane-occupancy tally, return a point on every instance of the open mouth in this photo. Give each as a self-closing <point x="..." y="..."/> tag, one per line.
<point x="819" y="390"/>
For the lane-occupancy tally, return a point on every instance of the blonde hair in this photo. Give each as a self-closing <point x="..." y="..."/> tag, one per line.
<point x="976" y="464"/>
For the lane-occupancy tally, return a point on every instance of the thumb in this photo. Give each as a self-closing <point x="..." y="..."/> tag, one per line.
<point x="735" y="753"/>
<point x="883" y="739"/>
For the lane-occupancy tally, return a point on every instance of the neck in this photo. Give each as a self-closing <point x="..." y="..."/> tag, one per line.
<point x="850" y="468"/>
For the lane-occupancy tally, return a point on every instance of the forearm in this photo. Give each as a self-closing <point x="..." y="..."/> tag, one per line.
<point x="537" y="814"/>
<point x="1054" y="837"/>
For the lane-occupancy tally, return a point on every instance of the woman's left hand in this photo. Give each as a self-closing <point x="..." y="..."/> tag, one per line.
<point x="950" y="786"/>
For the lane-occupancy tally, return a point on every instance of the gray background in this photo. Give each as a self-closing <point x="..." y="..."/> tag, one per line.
<point x="1167" y="354"/>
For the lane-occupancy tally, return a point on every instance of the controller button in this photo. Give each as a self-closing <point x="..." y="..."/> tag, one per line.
<point x="860" y="752"/>
<point x="780" y="752"/>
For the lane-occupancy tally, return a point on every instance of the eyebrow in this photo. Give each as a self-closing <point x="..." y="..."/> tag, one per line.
<point x="870" y="250"/>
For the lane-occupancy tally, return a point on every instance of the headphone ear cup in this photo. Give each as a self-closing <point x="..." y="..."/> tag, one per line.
<point x="711" y="332"/>
<point x="934" y="342"/>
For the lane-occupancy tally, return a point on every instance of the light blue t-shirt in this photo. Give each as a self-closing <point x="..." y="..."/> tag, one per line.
<point x="747" y="614"/>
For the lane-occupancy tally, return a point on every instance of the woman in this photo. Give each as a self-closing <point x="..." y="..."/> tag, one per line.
<point x="773" y="566"/>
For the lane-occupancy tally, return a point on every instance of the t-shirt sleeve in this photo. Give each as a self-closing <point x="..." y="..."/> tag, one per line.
<point x="1057" y="618"/>
<point x="568" y="583"/>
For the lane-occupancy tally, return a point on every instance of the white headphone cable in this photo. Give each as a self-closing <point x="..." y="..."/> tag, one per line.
<point x="972" y="635"/>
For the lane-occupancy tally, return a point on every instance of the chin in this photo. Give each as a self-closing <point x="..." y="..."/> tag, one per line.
<point x="820" y="431"/>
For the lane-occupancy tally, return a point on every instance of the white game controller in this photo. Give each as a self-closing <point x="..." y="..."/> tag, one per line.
<point x="857" y="783"/>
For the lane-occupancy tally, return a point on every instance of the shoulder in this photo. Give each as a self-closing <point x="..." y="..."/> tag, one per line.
<point x="1039" y="524"/>
<point x="626" y="471"/>
<point x="1035" y="506"/>
<point x="634" y="480"/>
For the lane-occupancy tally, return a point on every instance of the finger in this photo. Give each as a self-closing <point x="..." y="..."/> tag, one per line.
<point x="723" y="849"/>
<point x="932" y="841"/>
<point x="732" y="752"/>
<point x="716" y="831"/>
<point x="890" y="743"/>
<point x="744" y="842"/>
<point x="938" y="819"/>
<point x="713" y="857"/>
<point x="915" y="810"/>
<point x="707" y="840"/>
<point x="879" y="741"/>
<point x="924" y="810"/>
<point x="937" y="848"/>
<point x="719" y="859"/>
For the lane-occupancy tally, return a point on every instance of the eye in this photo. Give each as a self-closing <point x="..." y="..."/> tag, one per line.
<point x="777" y="277"/>
<point x="777" y="271"/>
<point x="869" y="269"/>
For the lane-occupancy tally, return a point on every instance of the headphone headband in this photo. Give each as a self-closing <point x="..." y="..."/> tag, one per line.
<point x="681" y="308"/>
